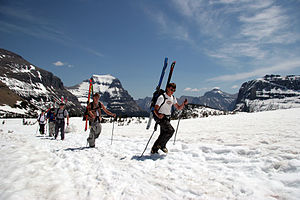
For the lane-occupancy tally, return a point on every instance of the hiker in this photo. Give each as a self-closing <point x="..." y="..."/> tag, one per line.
<point x="51" y="121"/>
<point x="25" y="122"/>
<point x="94" y="115"/>
<point x="60" y="115"/>
<point x="162" y="110"/>
<point x="42" y="122"/>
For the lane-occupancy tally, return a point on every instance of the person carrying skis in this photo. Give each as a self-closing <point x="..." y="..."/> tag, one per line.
<point x="51" y="122"/>
<point x="162" y="110"/>
<point x="94" y="116"/>
<point x="42" y="122"/>
<point x="60" y="116"/>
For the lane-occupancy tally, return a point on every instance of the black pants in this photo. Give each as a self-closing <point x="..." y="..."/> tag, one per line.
<point x="166" y="132"/>
<point x="60" y="124"/>
<point x="42" y="129"/>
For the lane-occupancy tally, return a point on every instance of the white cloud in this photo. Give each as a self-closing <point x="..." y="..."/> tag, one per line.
<point x="235" y="87"/>
<point x="169" y="27"/>
<point x="282" y="67"/>
<point x="233" y="30"/>
<point x="94" y="52"/>
<point x="188" y="89"/>
<point x="59" y="64"/>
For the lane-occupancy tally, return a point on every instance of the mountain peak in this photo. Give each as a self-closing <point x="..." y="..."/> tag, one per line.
<point x="107" y="78"/>
<point x="112" y="94"/>
<point x="216" y="90"/>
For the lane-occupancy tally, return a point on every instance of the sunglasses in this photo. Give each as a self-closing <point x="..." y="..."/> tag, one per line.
<point x="173" y="90"/>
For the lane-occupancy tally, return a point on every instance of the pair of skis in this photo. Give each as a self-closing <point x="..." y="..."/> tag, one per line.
<point x="156" y="93"/>
<point x="158" y="87"/>
<point x="91" y="93"/>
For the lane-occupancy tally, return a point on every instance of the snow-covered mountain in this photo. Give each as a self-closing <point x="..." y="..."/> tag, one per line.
<point x="26" y="88"/>
<point x="112" y="94"/>
<point x="144" y="103"/>
<point x="269" y="93"/>
<point x="215" y="98"/>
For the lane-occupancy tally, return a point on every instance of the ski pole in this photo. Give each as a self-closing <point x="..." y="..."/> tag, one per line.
<point x="112" y="132"/>
<point x="176" y="130"/>
<point x="178" y="125"/>
<point x="155" y="128"/>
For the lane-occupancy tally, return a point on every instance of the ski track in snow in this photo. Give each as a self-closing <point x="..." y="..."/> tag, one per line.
<point x="243" y="156"/>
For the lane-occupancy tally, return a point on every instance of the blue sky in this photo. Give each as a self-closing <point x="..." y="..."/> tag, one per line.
<point x="216" y="43"/>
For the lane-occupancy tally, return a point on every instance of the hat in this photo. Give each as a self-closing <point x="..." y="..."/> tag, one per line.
<point x="61" y="104"/>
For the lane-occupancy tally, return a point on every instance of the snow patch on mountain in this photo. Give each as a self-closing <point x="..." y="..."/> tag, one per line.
<point x="269" y="93"/>
<point x="36" y="88"/>
<point x="101" y="84"/>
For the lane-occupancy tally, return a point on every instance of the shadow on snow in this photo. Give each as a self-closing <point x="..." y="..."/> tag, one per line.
<point x="78" y="148"/>
<point x="148" y="157"/>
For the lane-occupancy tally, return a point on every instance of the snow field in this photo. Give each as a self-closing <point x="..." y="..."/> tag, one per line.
<point x="243" y="156"/>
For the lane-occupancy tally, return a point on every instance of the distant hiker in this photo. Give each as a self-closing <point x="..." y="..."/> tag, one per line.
<point x="51" y="122"/>
<point x="162" y="110"/>
<point x="42" y="122"/>
<point x="94" y="114"/>
<point x="25" y="122"/>
<point x="60" y="115"/>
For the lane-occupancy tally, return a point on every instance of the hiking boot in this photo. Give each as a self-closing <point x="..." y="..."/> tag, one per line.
<point x="92" y="146"/>
<point x="154" y="151"/>
<point x="164" y="149"/>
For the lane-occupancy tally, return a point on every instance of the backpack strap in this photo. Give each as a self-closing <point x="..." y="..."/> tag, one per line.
<point x="99" y="106"/>
<point x="162" y="102"/>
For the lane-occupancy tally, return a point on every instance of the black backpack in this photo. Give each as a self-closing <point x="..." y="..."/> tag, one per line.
<point x="156" y="94"/>
<point x="63" y="113"/>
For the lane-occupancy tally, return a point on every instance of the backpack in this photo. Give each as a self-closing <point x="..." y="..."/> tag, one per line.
<point x="39" y="119"/>
<point x="156" y="94"/>
<point x="92" y="108"/>
<point x="59" y="117"/>
<point x="51" y="115"/>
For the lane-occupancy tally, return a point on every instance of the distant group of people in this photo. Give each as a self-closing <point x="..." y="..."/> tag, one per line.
<point x="56" y="121"/>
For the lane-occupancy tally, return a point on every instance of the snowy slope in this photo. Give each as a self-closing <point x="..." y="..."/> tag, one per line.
<point x="242" y="156"/>
<point x="32" y="87"/>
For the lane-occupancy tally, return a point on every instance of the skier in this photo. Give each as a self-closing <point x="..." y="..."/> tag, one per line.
<point x="162" y="110"/>
<point x="51" y="122"/>
<point x="42" y="122"/>
<point x="94" y="115"/>
<point x="60" y="116"/>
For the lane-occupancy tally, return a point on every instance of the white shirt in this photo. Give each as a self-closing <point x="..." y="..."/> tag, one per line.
<point x="167" y="105"/>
